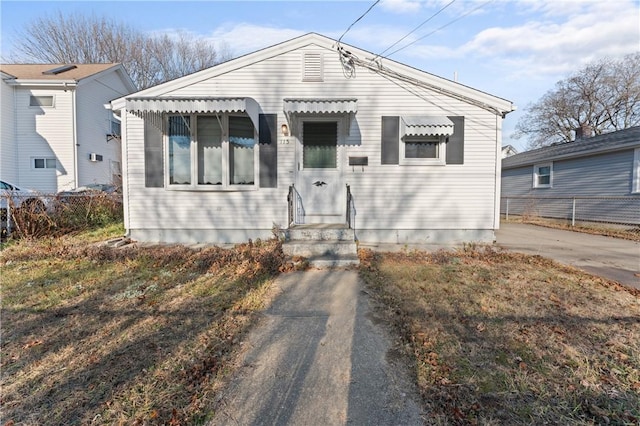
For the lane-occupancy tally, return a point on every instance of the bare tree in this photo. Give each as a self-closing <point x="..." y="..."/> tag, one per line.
<point x="148" y="59"/>
<point x="604" y="96"/>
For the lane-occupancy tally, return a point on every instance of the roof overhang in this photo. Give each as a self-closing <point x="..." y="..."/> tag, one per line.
<point x="427" y="125"/>
<point x="153" y="108"/>
<point x="42" y="83"/>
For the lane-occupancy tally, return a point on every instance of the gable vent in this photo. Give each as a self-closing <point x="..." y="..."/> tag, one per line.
<point x="312" y="68"/>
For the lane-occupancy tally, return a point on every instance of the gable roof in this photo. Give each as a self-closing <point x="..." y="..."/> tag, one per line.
<point x="496" y="104"/>
<point x="37" y="71"/>
<point x="608" y="142"/>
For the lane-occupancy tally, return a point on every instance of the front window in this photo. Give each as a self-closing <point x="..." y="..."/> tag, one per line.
<point x="201" y="155"/>
<point x="422" y="150"/>
<point x="542" y="175"/>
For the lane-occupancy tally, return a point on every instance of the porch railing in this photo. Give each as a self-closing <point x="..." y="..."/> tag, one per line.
<point x="291" y="206"/>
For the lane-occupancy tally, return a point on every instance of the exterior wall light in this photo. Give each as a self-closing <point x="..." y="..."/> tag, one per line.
<point x="285" y="130"/>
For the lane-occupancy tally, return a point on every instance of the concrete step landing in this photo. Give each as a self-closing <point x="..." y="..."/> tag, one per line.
<point x="324" y="246"/>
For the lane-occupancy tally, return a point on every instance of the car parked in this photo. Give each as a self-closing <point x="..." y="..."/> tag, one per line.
<point x="21" y="197"/>
<point x="93" y="189"/>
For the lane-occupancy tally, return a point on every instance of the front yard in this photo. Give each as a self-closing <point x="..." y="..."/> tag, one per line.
<point x="504" y="338"/>
<point x="146" y="335"/>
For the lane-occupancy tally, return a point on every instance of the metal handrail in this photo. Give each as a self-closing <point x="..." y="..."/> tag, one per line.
<point x="290" y="204"/>
<point x="349" y="202"/>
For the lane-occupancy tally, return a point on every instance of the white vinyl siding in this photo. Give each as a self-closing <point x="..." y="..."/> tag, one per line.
<point x="8" y="143"/>
<point x="389" y="198"/>
<point x="45" y="133"/>
<point x="94" y="124"/>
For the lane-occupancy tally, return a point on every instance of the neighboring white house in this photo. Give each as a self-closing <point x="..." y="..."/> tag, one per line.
<point x="286" y="135"/>
<point x="56" y="133"/>
<point x="508" y="151"/>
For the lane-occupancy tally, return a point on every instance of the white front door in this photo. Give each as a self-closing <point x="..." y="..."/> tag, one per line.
<point x="319" y="181"/>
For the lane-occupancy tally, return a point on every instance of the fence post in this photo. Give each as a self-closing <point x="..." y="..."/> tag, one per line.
<point x="506" y="218"/>
<point x="573" y="212"/>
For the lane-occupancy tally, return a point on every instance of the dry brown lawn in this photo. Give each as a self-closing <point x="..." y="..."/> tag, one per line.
<point x="96" y="335"/>
<point x="500" y="338"/>
<point x="147" y="335"/>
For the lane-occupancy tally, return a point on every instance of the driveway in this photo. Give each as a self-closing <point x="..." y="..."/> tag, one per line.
<point x="608" y="257"/>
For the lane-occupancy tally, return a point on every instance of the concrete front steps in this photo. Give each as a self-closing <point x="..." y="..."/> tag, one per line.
<point x="323" y="245"/>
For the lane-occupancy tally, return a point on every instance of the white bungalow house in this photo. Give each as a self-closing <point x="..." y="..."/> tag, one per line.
<point x="311" y="132"/>
<point x="56" y="133"/>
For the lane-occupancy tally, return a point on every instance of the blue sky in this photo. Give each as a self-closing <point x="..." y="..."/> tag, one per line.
<point x="515" y="49"/>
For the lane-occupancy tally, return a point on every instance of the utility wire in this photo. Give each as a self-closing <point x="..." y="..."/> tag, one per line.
<point x="438" y="29"/>
<point x="354" y="22"/>
<point x="414" y="30"/>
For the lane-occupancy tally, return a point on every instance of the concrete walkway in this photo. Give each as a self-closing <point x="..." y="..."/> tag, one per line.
<point x="319" y="358"/>
<point x="608" y="257"/>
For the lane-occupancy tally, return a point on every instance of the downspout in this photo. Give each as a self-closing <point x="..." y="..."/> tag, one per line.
<point x="498" y="174"/>
<point x="74" y="120"/>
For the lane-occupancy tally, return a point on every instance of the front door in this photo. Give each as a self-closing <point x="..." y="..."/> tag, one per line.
<point x="319" y="182"/>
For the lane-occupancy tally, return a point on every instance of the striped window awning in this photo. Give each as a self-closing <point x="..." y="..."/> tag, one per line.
<point x="426" y="125"/>
<point x="154" y="108"/>
<point x="320" y="106"/>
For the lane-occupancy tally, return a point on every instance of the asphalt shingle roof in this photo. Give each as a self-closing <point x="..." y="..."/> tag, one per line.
<point x="35" y="71"/>
<point x="614" y="141"/>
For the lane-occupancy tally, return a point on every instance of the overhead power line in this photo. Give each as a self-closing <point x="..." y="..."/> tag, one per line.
<point x="414" y="30"/>
<point x="356" y="21"/>
<point x="438" y="29"/>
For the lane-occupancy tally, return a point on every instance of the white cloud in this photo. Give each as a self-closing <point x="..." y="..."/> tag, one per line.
<point x="401" y="6"/>
<point x="552" y="46"/>
<point x="562" y="38"/>
<point x="246" y="38"/>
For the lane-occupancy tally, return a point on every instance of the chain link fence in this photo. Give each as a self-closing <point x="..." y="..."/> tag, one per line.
<point x="41" y="215"/>
<point x="614" y="210"/>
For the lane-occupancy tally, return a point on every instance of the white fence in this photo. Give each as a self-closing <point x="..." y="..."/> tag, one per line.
<point x="616" y="210"/>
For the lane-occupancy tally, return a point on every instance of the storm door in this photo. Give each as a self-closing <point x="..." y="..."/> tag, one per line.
<point x="319" y="180"/>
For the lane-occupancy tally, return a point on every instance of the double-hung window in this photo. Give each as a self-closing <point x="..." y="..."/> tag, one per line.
<point x="543" y="175"/>
<point x="211" y="152"/>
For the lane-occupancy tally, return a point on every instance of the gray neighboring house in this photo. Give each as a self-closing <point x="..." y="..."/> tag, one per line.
<point x="602" y="172"/>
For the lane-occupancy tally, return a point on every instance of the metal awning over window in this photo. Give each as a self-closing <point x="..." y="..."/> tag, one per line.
<point x="152" y="109"/>
<point x="320" y="106"/>
<point x="426" y="125"/>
